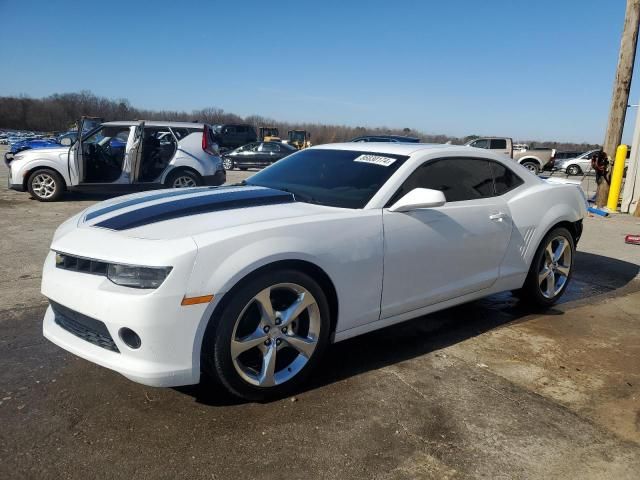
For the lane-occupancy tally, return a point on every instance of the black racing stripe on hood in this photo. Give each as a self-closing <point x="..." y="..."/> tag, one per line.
<point x="185" y="207"/>
<point x="144" y="199"/>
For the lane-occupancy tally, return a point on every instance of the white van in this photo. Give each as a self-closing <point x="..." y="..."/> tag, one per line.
<point x="123" y="156"/>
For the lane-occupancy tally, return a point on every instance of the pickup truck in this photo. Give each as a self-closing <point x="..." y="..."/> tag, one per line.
<point x="536" y="160"/>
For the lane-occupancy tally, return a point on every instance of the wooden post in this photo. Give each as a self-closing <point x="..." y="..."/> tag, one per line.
<point x="621" y="86"/>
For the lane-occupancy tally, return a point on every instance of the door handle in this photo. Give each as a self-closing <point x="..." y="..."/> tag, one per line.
<point x="498" y="216"/>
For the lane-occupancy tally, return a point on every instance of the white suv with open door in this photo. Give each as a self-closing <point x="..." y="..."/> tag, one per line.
<point x="127" y="155"/>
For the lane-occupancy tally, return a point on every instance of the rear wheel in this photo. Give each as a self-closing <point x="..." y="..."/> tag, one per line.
<point x="45" y="185"/>
<point x="269" y="336"/>
<point x="551" y="268"/>
<point x="183" y="179"/>
<point x="531" y="166"/>
<point x="573" y="170"/>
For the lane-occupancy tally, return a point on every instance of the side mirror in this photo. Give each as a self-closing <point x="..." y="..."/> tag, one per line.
<point x="66" y="141"/>
<point x="419" y="198"/>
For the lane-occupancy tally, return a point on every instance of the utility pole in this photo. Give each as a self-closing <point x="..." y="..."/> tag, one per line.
<point x="621" y="86"/>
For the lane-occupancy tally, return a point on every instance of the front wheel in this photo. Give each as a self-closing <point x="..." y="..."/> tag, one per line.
<point x="269" y="335"/>
<point x="573" y="170"/>
<point x="532" y="167"/>
<point x="45" y="185"/>
<point x="551" y="268"/>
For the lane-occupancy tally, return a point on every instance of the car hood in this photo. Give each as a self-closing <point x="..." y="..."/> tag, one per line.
<point x="173" y="214"/>
<point x="54" y="150"/>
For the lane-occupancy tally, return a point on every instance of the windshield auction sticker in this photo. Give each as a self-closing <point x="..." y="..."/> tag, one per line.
<point x="375" y="159"/>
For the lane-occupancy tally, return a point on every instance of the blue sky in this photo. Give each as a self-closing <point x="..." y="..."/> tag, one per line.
<point x="528" y="69"/>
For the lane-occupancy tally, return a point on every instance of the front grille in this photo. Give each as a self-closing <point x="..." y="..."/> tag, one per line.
<point x="86" y="328"/>
<point x="80" y="264"/>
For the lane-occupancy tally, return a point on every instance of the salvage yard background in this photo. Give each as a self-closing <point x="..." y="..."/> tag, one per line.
<point x="486" y="389"/>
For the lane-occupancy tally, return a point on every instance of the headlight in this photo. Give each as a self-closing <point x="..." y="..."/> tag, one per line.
<point x="137" y="277"/>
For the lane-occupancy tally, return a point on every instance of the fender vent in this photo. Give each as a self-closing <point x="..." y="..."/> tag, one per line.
<point x="526" y="241"/>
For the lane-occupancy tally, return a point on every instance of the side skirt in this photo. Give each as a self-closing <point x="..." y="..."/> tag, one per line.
<point x="385" y="322"/>
<point x="116" y="188"/>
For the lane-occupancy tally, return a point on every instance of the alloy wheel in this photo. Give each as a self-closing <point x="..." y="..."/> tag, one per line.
<point x="573" y="170"/>
<point x="227" y="163"/>
<point x="43" y="185"/>
<point x="184" y="181"/>
<point x="275" y="335"/>
<point x="555" y="267"/>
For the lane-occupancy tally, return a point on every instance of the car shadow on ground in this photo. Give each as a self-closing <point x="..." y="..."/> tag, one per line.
<point x="593" y="275"/>
<point x="90" y="196"/>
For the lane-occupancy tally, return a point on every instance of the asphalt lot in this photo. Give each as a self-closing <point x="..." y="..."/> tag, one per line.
<point x="486" y="390"/>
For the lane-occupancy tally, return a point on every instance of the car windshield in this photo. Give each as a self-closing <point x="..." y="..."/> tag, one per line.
<point x="337" y="178"/>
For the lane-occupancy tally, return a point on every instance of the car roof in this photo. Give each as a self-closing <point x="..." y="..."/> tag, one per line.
<point x="153" y="123"/>
<point x="389" y="147"/>
<point x="395" y="137"/>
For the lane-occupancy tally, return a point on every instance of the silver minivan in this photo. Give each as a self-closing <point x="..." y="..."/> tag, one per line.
<point x="122" y="156"/>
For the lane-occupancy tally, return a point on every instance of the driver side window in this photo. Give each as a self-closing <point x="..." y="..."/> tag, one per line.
<point x="459" y="179"/>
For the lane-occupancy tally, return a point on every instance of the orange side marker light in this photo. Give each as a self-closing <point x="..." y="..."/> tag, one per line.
<point x="196" y="300"/>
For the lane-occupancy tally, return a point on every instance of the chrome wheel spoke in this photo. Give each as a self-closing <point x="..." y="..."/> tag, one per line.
<point x="563" y="270"/>
<point x="544" y="274"/>
<point x="551" y="285"/>
<point x="560" y="249"/>
<point x="305" y="346"/>
<point x="267" y="373"/>
<point x="304" y="301"/>
<point x="549" y="253"/>
<point x="263" y="299"/>
<point x="247" y="343"/>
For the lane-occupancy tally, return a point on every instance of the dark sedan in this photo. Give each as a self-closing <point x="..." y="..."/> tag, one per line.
<point x="256" y="155"/>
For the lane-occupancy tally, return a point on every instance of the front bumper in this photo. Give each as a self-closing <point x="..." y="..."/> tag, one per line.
<point x="169" y="333"/>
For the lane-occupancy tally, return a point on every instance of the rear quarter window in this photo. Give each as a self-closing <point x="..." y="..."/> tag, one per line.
<point x="505" y="179"/>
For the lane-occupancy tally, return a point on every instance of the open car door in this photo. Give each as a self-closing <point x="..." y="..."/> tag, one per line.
<point x="133" y="153"/>
<point x="76" y="164"/>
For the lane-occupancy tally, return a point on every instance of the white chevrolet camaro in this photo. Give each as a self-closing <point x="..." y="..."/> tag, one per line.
<point x="249" y="283"/>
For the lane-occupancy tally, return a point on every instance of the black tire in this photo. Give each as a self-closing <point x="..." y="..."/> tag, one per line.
<point x="46" y="185"/>
<point x="574" y="170"/>
<point x="216" y="358"/>
<point x="531" y="166"/>
<point x="532" y="291"/>
<point x="186" y="177"/>
<point x="227" y="163"/>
